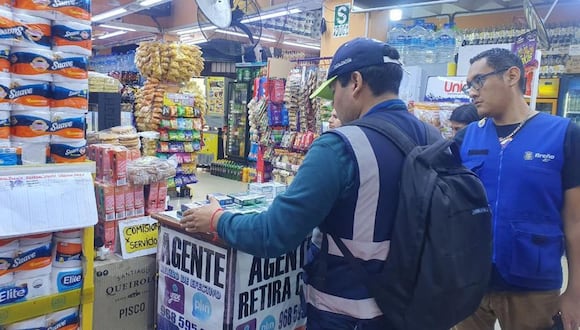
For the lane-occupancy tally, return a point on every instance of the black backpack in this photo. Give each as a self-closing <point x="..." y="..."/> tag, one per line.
<point x="439" y="262"/>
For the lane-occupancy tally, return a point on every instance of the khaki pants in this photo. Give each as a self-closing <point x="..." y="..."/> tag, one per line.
<point x="515" y="311"/>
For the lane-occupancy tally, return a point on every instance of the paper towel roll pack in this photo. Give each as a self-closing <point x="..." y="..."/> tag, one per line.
<point x="8" y="28"/>
<point x="70" y="68"/>
<point x="6" y="261"/>
<point x="5" y="104"/>
<point x="6" y="280"/>
<point x="67" y="252"/>
<point x="31" y="63"/>
<point x="73" y="151"/>
<point x="66" y="279"/>
<point x="76" y="9"/>
<point x="37" y="282"/>
<point x="38" y="8"/>
<point x="68" y="125"/>
<point x="73" y="233"/>
<point x="4" y="126"/>
<point x="36" y="257"/>
<point x="9" y="244"/>
<point x="70" y="96"/>
<point x="30" y="126"/>
<point x="72" y="37"/>
<point x="4" y="61"/>
<point x="31" y="153"/>
<point x="29" y="95"/>
<point x="67" y="319"/>
<point x="35" y="323"/>
<point x="36" y="31"/>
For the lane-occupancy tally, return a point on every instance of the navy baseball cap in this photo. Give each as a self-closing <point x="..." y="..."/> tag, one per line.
<point x="351" y="56"/>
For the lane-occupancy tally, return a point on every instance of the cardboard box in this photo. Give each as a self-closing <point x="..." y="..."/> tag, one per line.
<point x="104" y="164"/>
<point x="105" y="195"/>
<point x="125" y="294"/>
<point x="162" y="196"/>
<point x="120" y="203"/>
<point x="151" y="197"/>
<point x="129" y="201"/>
<point x="139" y="194"/>
<point x="107" y="231"/>
<point x="119" y="157"/>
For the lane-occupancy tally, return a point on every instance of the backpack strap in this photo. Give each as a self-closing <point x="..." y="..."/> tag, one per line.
<point x="390" y="131"/>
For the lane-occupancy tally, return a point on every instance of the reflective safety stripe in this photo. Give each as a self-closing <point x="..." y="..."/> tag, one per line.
<point x="369" y="183"/>
<point x="364" y="309"/>
<point x="361" y="250"/>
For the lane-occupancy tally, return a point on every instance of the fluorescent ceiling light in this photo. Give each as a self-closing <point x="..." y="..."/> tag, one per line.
<point x="196" y="30"/>
<point x="395" y="15"/>
<point x="117" y="27"/>
<point x="271" y="15"/>
<point x="237" y="34"/>
<point x="112" y="34"/>
<point x="148" y="3"/>
<point x="301" y="45"/>
<point x="108" y="14"/>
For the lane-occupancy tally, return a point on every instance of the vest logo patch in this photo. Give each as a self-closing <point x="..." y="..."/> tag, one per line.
<point x="530" y="155"/>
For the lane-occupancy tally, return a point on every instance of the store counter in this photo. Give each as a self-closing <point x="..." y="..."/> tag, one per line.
<point x="206" y="285"/>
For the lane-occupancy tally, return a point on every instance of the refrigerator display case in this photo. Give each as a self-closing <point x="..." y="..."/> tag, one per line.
<point x="238" y="126"/>
<point x="569" y="97"/>
<point x="547" y="100"/>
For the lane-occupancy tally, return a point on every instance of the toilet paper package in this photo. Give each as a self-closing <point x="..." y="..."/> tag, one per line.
<point x="67" y="252"/>
<point x="72" y="37"/>
<point x="66" y="279"/>
<point x="30" y="126"/>
<point x="8" y="28"/>
<point x="5" y="61"/>
<point x="68" y="150"/>
<point x="36" y="31"/>
<point x="38" y="8"/>
<point x="6" y="280"/>
<point x="70" y="96"/>
<point x="9" y="244"/>
<point x="67" y="319"/>
<point x="73" y="233"/>
<point x="37" y="282"/>
<point x="79" y="10"/>
<point x="71" y="68"/>
<point x="29" y="95"/>
<point x="31" y="63"/>
<point x="35" y="324"/>
<point x="6" y="261"/>
<point x="31" y="152"/>
<point x="35" y="239"/>
<point x="67" y="125"/>
<point x="4" y="126"/>
<point x="5" y="84"/>
<point x="34" y="258"/>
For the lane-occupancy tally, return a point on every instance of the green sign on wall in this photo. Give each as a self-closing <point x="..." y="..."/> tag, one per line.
<point x="341" y="20"/>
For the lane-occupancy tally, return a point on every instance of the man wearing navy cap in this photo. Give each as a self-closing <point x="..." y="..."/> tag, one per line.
<point x="347" y="186"/>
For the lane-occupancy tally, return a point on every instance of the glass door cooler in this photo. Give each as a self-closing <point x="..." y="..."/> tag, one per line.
<point x="569" y="97"/>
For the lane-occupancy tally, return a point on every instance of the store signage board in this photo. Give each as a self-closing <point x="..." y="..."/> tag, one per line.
<point x="267" y="293"/>
<point x="446" y="89"/>
<point x="38" y="203"/>
<point x="192" y="282"/>
<point x="341" y="21"/>
<point x="138" y="237"/>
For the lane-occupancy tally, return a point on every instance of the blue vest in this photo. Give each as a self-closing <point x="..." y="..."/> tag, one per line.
<point x="364" y="218"/>
<point x="524" y="187"/>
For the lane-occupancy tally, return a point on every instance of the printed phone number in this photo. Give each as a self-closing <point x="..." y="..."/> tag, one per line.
<point x="178" y="320"/>
<point x="290" y="316"/>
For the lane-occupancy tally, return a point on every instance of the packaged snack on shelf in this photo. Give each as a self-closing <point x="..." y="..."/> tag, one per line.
<point x="129" y="201"/>
<point x="120" y="203"/>
<point x="147" y="169"/>
<point x="139" y="200"/>
<point x="105" y="195"/>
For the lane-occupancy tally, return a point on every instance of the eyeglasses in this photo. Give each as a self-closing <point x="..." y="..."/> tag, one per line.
<point x="479" y="80"/>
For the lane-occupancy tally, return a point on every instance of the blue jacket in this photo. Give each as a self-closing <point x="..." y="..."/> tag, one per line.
<point x="524" y="188"/>
<point x="348" y="179"/>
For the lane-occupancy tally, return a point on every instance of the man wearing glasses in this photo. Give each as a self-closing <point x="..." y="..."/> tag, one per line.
<point x="528" y="162"/>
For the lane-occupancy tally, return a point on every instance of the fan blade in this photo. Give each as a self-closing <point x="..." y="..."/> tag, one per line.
<point x="246" y="30"/>
<point x="218" y="12"/>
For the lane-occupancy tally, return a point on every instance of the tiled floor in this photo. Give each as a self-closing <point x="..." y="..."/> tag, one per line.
<point x="212" y="184"/>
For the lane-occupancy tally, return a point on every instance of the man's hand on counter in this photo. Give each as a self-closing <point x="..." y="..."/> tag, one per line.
<point x="202" y="219"/>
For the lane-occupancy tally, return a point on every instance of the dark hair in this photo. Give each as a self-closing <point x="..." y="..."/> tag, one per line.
<point x="465" y="114"/>
<point x="382" y="78"/>
<point x="499" y="58"/>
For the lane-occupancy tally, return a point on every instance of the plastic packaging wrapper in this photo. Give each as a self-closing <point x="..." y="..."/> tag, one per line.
<point x="147" y="170"/>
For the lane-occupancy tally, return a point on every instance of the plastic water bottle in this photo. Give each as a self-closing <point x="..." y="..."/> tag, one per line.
<point x="430" y="53"/>
<point x="446" y="44"/>
<point x="398" y="39"/>
<point x="416" y="48"/>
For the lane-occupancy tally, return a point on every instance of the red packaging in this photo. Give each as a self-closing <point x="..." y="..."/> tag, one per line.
<point x="152" y="197"/>
<point x="107" y="231"/>
<point x="105" y="201"/>
<point x="118" y="157"/>
<point x="120" y="203"/>
<point x="162" y="195"/>
<point x="129" y="201"/>
<point x="134" y="154"/>
<point x="139" y="200"/>
<point x="104" y="164"/>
